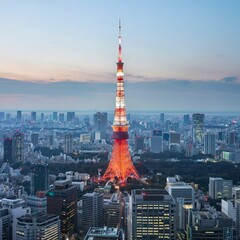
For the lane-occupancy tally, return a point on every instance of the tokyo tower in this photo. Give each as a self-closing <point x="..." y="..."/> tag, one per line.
<point x="120" y="166"/>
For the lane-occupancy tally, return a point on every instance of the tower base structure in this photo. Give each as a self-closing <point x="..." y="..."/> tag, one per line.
<point x="120" y="166"/>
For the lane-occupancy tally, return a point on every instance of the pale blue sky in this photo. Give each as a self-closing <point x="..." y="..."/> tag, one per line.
<point x="74" y="40"/>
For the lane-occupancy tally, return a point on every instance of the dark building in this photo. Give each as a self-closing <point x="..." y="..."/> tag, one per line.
<point x="5" y="224"/>
<point x="2" y="116"/>
<point x="42" y="117"/>
<point x="34" y="138"/>
<point x="19" y="116"/>
<point x="17" y="146"/>
<point x="186" y="119"/>
<point x="100" y="121"/>
<point x="198" y="127"/>
<point x="166" y="136"/>
<point x="70" y="116"/>
<point x="61" y="117"/>
<point x="39" y="178"/>
<point x="92" y="210"/>
<point x="8" y="117"/>
<point x="8" y="150"/>
<point x="162" y="118"/>
<point x="62" y="200"/>
<point x="139" y="143"/>
<point x="33" y="116"/>
<point x="55" y="116"/>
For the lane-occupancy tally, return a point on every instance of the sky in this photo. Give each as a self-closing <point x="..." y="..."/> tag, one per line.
<point x="179" y="55"/>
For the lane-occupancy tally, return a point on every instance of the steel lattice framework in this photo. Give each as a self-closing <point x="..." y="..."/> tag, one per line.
<point x="120" y="166"/>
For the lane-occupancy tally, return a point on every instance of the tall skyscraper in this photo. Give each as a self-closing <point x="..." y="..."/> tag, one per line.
<point x="33" y="116"/>
<point x="92" y="210"/>
<point x="8" y="150"/>
<point x="55" y="116"/>
<point x="162" y="118"/>
<point x="70" y="116"/>
<point x="186" y="119"/>
<point x="198" y="127"/>
<point x="151" y="215"/>
<point x="19" y="116"/>
<point x="8" y="117"/>
<point x="61" y="117"/>
<point x="100" y="121"/>
<point x="232" y="137"/>
<point x="156" y="144"/>
<point x="42" y="117"/>
<point x="39" y="178"/>
<point x="2" y="116"/>
<point x="120" y="165"/>
<point x="62" y="201"/>
<point x="210" y="143"/>
<point x="17" y="146"/>
<point x="68" y="143"/>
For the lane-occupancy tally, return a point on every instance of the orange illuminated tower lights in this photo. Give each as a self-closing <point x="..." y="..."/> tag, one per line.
<point x="120" y="166"/>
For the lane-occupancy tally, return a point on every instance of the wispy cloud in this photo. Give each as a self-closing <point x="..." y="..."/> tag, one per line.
<point x="169" y="94"/>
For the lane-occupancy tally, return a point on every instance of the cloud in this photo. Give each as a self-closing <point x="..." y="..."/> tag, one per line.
<point x="167" y="95"/>
<point x="231" y="79"/>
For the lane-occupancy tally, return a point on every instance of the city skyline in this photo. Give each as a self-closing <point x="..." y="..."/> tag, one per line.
<point x="179" y="56"/>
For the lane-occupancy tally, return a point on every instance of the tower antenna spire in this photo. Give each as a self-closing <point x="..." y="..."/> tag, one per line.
<point x="119" y="27"/>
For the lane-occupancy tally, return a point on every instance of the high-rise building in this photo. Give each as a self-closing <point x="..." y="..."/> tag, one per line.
<point x="198" y="127"/>
<point x="120" y="166"/>
<point x="39" y="178"/>
<point x="19" y="116"/>
<point x="174" y="138"/>
<point x="33" y="116"/>
<point x="42" y="226"/>
<point x="68" y="143"/>
<point x="8" y="150"/>
<point x="186" y="119"/>
<point x="139" y="143"/>
<point x="162" y="118"/>
<point x="42" y="117"/>
<point x="5" y="224"/>
<point x="156" y="142"/>
<point x="17" y="146"/>
<point x="55" y="116"/>
<point x="61" y="117"/>
<point x="34" y="138"/>
<point x="62" y="200"/>
<point x="100" y="121"/>
<point x="16" y="208"/>
<point x="2" y="116"/>
<point x="113" y="210"/>
<point x="232" y="137"/>
<point x="210" y="143"/>
<point x="92" y="210"/>
<point x="8" y="117"/>
<point x="70" y="116"/>
<point x="220" y="188"/>
<point x="151" y="215"/>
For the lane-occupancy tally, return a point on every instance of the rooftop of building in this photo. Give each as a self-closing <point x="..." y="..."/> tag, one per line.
<point x="38" y="217"/>
<point x="106" y="232"/>
<point x="150" y="195"/>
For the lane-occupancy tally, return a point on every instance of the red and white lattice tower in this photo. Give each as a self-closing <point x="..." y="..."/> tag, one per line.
<point x="120" y="166"/>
